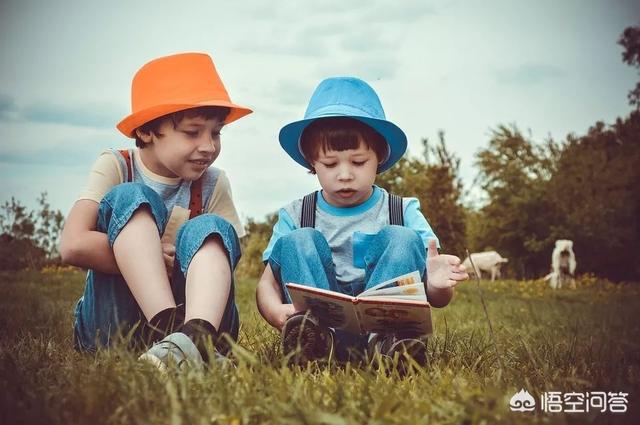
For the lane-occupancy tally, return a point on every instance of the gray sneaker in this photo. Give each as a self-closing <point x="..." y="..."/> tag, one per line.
<point x="175" y="350"/>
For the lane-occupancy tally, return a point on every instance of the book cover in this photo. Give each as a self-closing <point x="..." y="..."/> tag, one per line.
<point x="399" y="304"/>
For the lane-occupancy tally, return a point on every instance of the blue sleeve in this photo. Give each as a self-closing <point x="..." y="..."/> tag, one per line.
<point x="414" y="219"/>
<point x="283" y="227"/>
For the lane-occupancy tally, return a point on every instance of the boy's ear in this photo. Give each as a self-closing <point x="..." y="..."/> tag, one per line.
<point x="146" y="137"/>
<point x="312" y="170"/>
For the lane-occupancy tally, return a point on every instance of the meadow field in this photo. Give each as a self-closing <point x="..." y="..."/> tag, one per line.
<point x="568" y="341"/>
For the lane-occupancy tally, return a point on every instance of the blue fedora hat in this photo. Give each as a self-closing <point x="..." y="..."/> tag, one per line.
<point x="345" y="97"/>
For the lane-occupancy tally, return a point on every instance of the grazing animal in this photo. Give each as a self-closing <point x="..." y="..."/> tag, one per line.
<point x="563" y="264"/>
<point x="489" y="261"/>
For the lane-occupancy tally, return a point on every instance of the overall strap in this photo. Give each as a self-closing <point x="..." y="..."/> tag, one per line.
<point x="308" y="215"/>
<point x="195" y="197"/>
<point x="195" y="200"/>
<point x="396" y="216"/>
<point x="127" y="159"/>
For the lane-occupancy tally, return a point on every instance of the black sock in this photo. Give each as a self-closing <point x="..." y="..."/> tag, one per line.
<point x="163" y="323"/>
<point x="201" y="332"/>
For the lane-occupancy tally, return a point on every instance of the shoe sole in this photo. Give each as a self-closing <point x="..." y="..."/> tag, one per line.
<point x="301" y="340"/>
<point x="154" y="360"/>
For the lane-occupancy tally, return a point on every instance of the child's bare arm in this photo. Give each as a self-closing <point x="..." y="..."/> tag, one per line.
<point x="268" y="298"/>
<point x="81" y="245"/>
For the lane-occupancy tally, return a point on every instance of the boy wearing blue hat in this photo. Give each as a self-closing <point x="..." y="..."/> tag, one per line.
<point x="351" y="235"/>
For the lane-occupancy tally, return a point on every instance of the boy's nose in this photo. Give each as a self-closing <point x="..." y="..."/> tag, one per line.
<point x="208" y="144"/>
<point x="345" y="173"/>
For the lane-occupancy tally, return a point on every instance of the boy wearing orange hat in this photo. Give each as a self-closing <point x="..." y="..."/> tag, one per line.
<point x="156" y="225"/>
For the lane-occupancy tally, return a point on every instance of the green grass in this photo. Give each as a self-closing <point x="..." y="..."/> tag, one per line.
<point x="566" y="340"/>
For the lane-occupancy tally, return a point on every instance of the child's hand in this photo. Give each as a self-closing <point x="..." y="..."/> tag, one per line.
<point x="443" y="271"/>
<point x="283" y="313"/>
<point x="169" y="255"/>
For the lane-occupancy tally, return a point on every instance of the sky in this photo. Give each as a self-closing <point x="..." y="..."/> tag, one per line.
<point x="464" y="67"/>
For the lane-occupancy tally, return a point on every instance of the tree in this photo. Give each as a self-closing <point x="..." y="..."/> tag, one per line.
<point x="253" y="245"/>
<point x="516" y="221"/>
<point x="596" y="189"/>
<point x="48" y="227"/>
<point x="434" y="180"/>
<point x="630" y="40"/>
<point x="28" y="238"/>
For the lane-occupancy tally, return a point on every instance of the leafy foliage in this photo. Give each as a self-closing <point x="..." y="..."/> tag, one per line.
<point x="258" y="234"/>
<point x="630" y="40"/>
<point x="586" y="190"/>
<point x="515" y="173"/>
<point x="596" y="194"/>
<point x="28" y="238"/>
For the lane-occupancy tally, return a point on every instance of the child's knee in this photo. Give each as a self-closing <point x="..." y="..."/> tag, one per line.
<point x="305" y="239"/>
<point x="206" y="229"/>
<point x="203" y="226"/>
<point x="396" y="243"/>
<point x="213" y="243"/>
<point x="305" y="245"/>
<point x="128" y="192"/>
<point x="399" y="235"/>
<point x="123" y="200"/>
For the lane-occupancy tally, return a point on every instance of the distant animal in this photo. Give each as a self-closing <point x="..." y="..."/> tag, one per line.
<point x="489" y="261"/>
<point x="563" y="265"/>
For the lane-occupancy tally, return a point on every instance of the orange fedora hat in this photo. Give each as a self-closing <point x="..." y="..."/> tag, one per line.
<point x="174" y="83"/>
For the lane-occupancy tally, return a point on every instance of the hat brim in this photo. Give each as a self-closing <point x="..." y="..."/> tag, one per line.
<point x="396" y="139"/>
<point x="135" y="120"/>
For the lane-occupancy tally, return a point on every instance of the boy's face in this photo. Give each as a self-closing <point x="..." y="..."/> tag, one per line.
<point x="185" y="151"/>
<point x="346" y="176"/>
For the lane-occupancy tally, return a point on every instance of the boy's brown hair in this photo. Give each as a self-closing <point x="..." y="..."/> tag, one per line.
<point x="340" y="134"/>
<point x="206" y="112"/>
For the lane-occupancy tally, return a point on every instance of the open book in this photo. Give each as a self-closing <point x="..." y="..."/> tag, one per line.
<point x="399" y="304"/>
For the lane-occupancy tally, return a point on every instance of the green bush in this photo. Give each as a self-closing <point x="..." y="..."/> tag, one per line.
<point x="29" y="239"/>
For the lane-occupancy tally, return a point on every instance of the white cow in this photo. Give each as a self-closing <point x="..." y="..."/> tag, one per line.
<point x="563" y="264"/>
<point x="489" y="261"/>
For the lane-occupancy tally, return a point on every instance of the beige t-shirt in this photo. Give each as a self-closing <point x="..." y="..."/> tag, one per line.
<point x="107" y="172"/>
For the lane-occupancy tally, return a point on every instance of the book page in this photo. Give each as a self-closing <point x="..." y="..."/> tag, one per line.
<point x="404" y="280"/>
<point x="395" y="298"/>
<point x="386" y="316"/>
<point x="333" y="309"/>
<point x="412" y="291"/>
